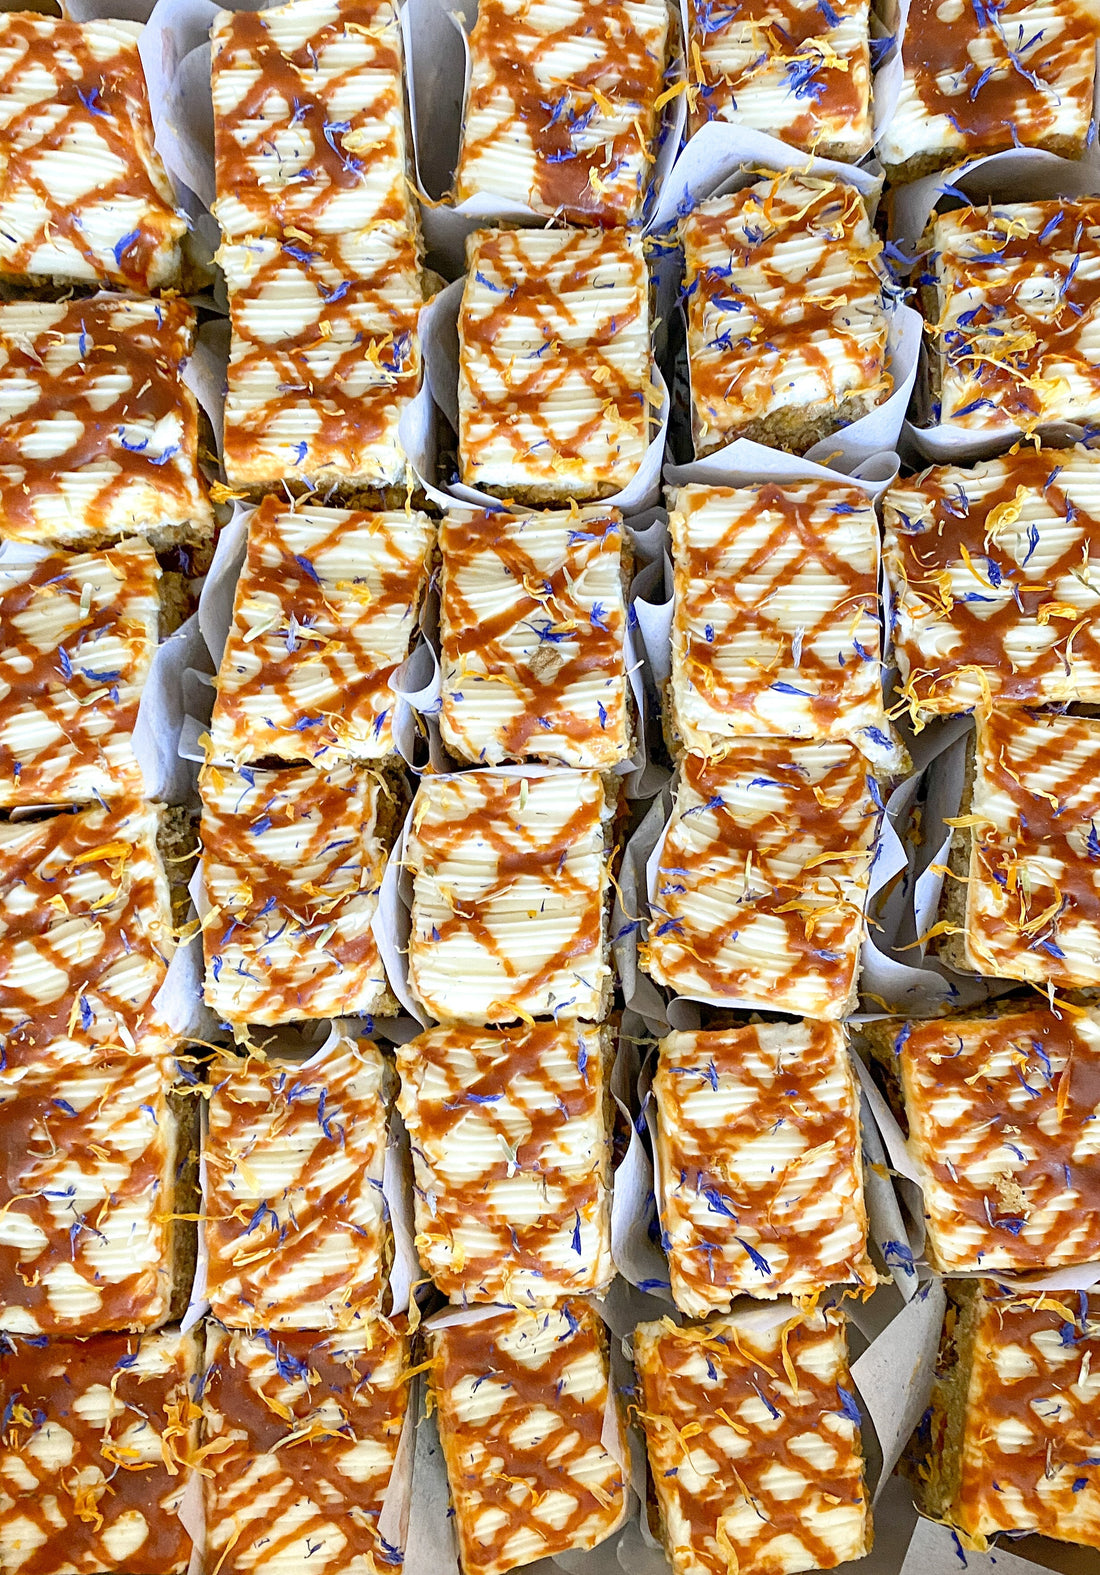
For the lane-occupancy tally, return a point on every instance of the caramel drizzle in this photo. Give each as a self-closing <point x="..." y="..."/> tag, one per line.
<point x="837" y="657"/>
<point x="571" y="335"/>
<point x="336" y="865"/>
<point x="573" y="641"/>
<point x="746" y="344"/>
<point x="105" y="1483"/>
<point x="265" y="1252"/>
<point x="491" y="1470"/>
<point x="1048" y="1413"/>
<point x="72" y="362"/>
<point x="727" y="1230"/>
<point x="300" y="1403"/>
<point x="746" y="1380"/>
<point x="92" y="702"/>
<point x="924" y="546"/>
<point x="1010" y="88"/>
<point x="106" y="96"/>
<point x="525" y="1102"/>
<point x="802" y="865"/>
<point x="1021" y="1091"/>
<point x="70" y="884"/>
<point x="788" y="45"/>
<point x="338" y="630"/>
<point x="515" y="57"/>
<point x="485" y="810"/>
<point x="1017" y="311"/>
<point x="336" y="115"/>
<point x="118" y="1143"/>
<point x="1038" y="887"/>
<point x="345" y="374"/>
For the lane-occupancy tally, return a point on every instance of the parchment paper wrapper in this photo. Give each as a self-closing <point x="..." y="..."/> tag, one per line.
<point x="437" y="55"/>
<point x="721" y="155"/>
<point x="899" y="972"/>
<point x="439" y="346"/>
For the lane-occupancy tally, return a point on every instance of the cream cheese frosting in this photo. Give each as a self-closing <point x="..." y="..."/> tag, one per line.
<point x="309" y="118"/>
<point x="292" y="862"/>
<point x="532" y="634"/>
<point x="762" y="878"/>
<point x="759" y="1164"/>
<point x="83" y="192"/>
<point x="100" y="430"/>
<point x="753" y="1436"/>
<point x="325" y="611"/>
<point x="531" y="1434"/>
<point x="512" y="1156"/>
<point x="296" y="1226"/>
<point x="78" y="632"/>
<point x="509" y="880"/>
<point x="776" y="615"/>
<point x="555" y="384"/>
<point x="995" y="581"/>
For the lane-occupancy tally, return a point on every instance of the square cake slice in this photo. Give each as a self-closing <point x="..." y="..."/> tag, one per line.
<point x="776" y="614"/>
<point x="78" y="633"/>
<point x="1014" y="1416"/>
<point x="995" y="578"/>
<point x="798" y="69"/>
<point x="532" y="636"/>
<point x="1001" y="1114"/>
<point x="324" y="358"/>
<point x="89" y="1238"/>
<point x="510" y="879"/>
<point x="980" y="79"/>
<point x="303" y="1432"/>
<point x="762" y="878"/>
<point x="325" y="612"/>
<point x="296" y="1226"/>
<point x="753" y="1436"/>
<point x="100" y="430"/>
<point x="759" y="1164"/>
<point x="1017" y="317"/>
<point x="1032" y="899"/>
<point x="83" y="193"/>
<point x="97" y="1438"/>
<point x="531" y="1433"/>
<point x="309" y="119"/>
<point x="292" y="862"/>
<point x="511" y="1145"/>
<point x="787" y="322"/>
<point x="561" y="108"/>
<point x="555" y="373"/>
<point x="85" y="936"/>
